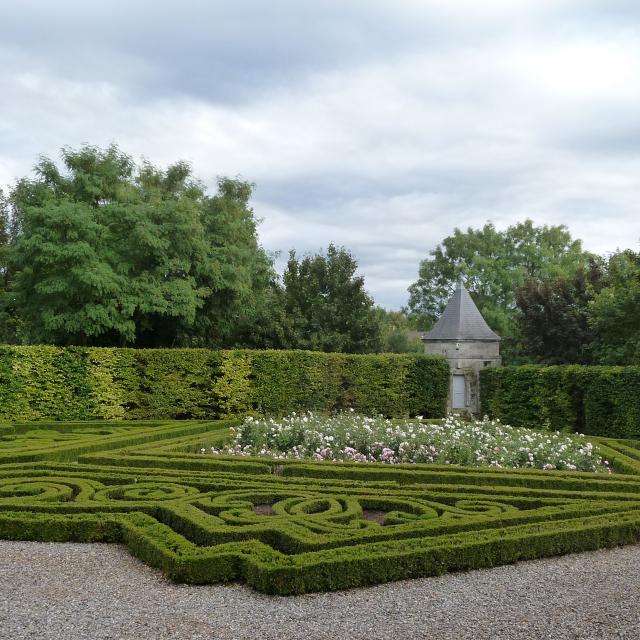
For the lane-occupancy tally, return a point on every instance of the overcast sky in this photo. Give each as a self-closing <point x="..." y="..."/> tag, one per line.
<point x="376" y="125"/>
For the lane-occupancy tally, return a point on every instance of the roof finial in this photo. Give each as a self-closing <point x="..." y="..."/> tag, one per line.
<point x="461" y="281"/>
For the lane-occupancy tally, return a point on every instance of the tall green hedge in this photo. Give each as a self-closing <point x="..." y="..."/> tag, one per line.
<point x="595" y="400"/>
<point x="73" y="383"/>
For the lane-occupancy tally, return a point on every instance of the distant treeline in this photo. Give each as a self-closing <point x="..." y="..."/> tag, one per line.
<point x="107" y="252"/>
<point x="104" y="251"/>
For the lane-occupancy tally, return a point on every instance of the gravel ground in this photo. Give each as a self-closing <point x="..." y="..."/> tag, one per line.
<point x="99" y="592"/>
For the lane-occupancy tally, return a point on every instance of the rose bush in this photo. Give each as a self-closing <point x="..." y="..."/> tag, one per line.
<point x="355" y="438"/>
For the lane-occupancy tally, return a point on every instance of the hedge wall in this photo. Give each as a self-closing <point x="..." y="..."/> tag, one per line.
<point x="595" y="400"/>
<point x="74" y="383"/>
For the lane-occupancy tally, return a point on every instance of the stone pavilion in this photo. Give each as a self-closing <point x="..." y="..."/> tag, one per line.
<point x="463" y="336"/>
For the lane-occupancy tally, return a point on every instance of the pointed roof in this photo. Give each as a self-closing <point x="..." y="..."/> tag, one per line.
<point x="461" y="320"/>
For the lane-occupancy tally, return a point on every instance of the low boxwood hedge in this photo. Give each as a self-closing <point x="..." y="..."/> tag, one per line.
<point x="289" y="526"/>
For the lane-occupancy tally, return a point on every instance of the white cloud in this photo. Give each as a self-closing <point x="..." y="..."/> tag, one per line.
<point x="376" y="127"/>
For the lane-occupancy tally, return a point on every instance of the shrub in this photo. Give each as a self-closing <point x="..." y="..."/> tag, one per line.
<point x="73" y="383"/>
<point x="354" y="438"/>
<point x="595" y="400"/>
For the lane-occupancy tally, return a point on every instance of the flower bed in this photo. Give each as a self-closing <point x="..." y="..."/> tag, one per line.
<point x="354" y="438"/>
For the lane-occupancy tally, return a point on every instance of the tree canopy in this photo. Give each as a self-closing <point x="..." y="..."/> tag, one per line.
<point x="326" y="307"/>
<point x="106" y="251"/>
<point x="113" y="252"/>
<point x="103" y="250"/>
<point x="399" y="333"/>
<point x="553" y="316"/>
<point x="615" y="312"/>
<point x="494" y="265"/>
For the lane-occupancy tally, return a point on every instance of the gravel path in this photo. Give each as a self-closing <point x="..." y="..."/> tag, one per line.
<point x="100" y="592"/>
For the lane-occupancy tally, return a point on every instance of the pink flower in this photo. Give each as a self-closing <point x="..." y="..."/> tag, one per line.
<point x="387" y="455"/>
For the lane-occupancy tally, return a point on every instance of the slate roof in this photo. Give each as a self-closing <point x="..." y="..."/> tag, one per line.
<point x="461" y="320"/>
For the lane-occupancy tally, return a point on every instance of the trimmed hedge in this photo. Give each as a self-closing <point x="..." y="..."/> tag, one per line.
<point x="67" y="441"/>
<point x="74" y="383"/>
<point x="595" y="400"/>
<point x="289" y="526"/>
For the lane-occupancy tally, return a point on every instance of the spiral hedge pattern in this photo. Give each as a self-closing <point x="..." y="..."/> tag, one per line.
<point x="286" y="526"/>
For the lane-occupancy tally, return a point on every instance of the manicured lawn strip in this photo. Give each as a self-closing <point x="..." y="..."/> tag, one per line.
<point x="68" y="452"/>
<point x="141" y="461"/>
<point x="38" y="441"/>
<point x="186" y="446"/>
<point x="66" y="427"/>
<point x="623" y="455"/>
<point x="403" y="474"/>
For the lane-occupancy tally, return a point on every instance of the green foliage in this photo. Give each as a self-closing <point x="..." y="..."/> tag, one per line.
<point x="507" y="393"/>
<point x="326" y="306"/>
<point x="114" y="253"/>
<point x="9" y="322"/>
<point x="376" y="386"/>
<point x="76" y="383"/>
<point x="231" y="388"/>
<point x="110" y="376"/>
<point x="588" y="318"/>
<point x="559" y="397"/>
<point x="612" y="401"/>
<point x="427" y="387"/>
<point x="63" y="286"/>
<point x="308" y="527"/>
<point x="399" y="333"/>
<point x="615" y="312"/>
<point x="241" y="273"/>
<point x="494" y="264"/>
<point x="302" y="379"/>
<point x="596" y="400"/>
<point x="33" y="441"/>
<point x="553" y="316"/>
<point x="174" y="383"/>
<point x="294" y="381"/>
<point x="46" y="381"/>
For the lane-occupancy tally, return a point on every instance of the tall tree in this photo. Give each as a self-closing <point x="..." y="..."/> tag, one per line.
<point x="494" y="264"/>
<point x="399" y="333"/>
<point x="242" y="275"/>
<point x="553" y="316"/>
<point x="9" y="322"/>
<point x="326" y="305"/>
<point x="615" y="312"/>
<point x="110" y="252"/>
